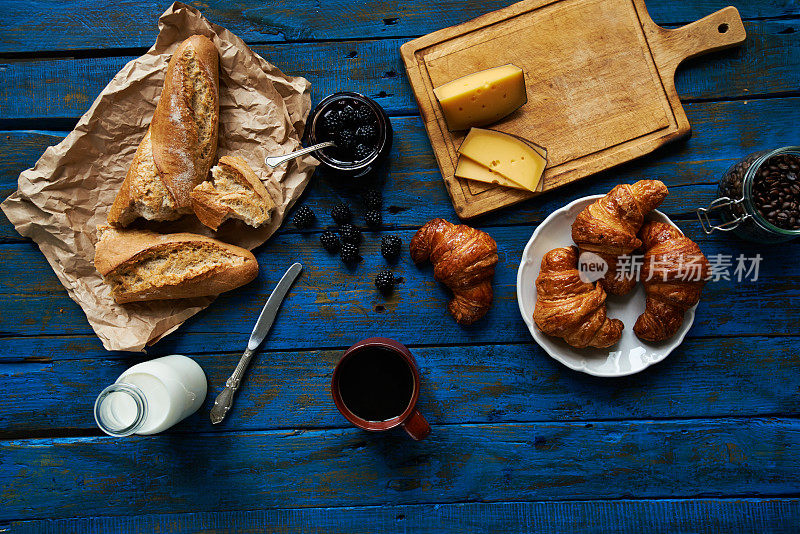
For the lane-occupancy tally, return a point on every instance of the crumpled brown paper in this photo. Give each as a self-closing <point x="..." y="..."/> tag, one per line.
<point x="64" y="198"/>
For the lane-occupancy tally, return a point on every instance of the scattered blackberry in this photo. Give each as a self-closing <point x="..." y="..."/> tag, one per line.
<point x="366" y="133"/>
<point x="350" y="234"/>
<point x="365" y="115"/>
<point x="341" y="214"/>
<point x="330" y="241"/>
<point x="345" y="139"/>
<point x="373" y="218"/>
<point x="373" y="199"/>
<point x="350" y="253"/>
<point x="385" y="281"/>
<point x="391" y="246"/>
<point x="333" y="121"/>
<point x="304" y="217"/>
<point x="362" y="152"/>
<point x="348" y="114"/>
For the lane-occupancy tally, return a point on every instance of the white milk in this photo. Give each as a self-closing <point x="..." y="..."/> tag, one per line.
<point x="151" y="396"/>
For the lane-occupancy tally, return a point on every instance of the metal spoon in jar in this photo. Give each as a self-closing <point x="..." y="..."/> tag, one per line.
<point x="274" y="161"/>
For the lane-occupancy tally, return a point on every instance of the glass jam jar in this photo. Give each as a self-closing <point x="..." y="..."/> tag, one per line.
<point x="358" y="126"/>
<point x="758" y="198"/>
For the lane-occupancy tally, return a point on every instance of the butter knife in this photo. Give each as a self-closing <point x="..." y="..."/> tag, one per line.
<point x="224" y="400"/>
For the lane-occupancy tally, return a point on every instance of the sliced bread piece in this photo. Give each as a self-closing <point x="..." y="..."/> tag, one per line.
<point x="141" y="265"/>
<point x="234" y="192"/>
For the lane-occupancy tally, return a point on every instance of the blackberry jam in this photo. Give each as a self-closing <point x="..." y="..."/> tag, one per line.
<point x="759" y="197"/>
<point x="357" y="125"/>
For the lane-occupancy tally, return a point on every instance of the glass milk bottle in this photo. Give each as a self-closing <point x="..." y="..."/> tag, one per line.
<point x="151" y="396"/>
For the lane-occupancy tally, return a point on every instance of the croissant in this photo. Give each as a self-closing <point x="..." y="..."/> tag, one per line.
<point x="609" y="225"/>
<point x="463" y="259"/>
<point x="674" y="271"/>
<point x="569" y="308"/>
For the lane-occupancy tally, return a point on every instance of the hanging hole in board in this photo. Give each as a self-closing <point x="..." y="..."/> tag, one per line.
<point x="723" y="28"/>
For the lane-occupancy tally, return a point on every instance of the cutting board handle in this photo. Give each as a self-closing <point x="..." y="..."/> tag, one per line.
<point x="717" y="31"/>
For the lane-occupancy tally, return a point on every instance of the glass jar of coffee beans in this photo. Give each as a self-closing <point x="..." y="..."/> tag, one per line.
<point x="759" y="197"/>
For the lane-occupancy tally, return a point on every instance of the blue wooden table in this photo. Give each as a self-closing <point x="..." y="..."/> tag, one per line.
<point x="706" y="441"/>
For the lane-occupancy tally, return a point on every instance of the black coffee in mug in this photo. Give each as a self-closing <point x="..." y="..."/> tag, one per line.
<point x="376" y="383"/>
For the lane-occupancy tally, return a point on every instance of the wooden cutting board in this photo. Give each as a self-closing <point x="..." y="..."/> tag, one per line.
<point x="599" y="76"/>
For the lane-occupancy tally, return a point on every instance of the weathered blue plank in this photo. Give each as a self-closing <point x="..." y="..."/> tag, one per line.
<point x="332" y="306"/>
<point x="65" y="88"/>
<point x="414" y="193"/>
<point x="85" y="24"/>
<point x="706" y="377"/>
<point x="768" y="63"/>
<point x="472" y="384"/>
<point x="744" y="516"/>
<point x="457" y="463"/>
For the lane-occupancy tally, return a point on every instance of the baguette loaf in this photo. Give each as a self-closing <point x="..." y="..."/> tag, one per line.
<point x="141" y="265"/>
<point x="181" y="143"/>
<point x="234" y="191"/>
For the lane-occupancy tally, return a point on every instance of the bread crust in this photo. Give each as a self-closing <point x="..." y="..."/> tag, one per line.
<point x="243" y="169"/>
<point x="123" y="248"/>
<point x="182" y="158"/>
<point x="206" y="201"/>
<point x="172" y="158"/>
<point x="142" y="192"/>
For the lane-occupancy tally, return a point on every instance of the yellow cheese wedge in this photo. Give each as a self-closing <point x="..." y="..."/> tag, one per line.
<point x="506" y="155"/>
<point x="471" y="170"/>
<point x="483" y="97"/>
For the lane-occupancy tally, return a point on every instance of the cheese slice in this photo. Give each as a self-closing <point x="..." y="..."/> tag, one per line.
<point x="483" y="97"/>
<point x="471" y="170"/>
<point x="506" y="155"/>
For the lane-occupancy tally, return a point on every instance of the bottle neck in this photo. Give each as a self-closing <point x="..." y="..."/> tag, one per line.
<point x="120" y="409"/>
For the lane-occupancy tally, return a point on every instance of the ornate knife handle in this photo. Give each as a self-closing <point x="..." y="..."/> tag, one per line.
<point x="224" y="400"/>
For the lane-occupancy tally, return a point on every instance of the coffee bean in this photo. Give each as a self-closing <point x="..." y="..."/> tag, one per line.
<point x="775" y="188"/>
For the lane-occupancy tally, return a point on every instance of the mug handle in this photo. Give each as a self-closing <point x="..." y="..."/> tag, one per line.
<point x="416" y="426"/>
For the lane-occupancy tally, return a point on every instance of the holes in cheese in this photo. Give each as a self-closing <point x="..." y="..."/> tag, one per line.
<point x="483" y="97"/>
<point x="471" y="170"/>
<point x="506" y="155"/>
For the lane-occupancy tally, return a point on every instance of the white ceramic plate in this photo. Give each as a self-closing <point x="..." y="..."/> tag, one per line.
<point x="630" y="355"/>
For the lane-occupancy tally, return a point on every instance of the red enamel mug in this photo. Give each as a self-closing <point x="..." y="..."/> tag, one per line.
<point x="410" y="419"/>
